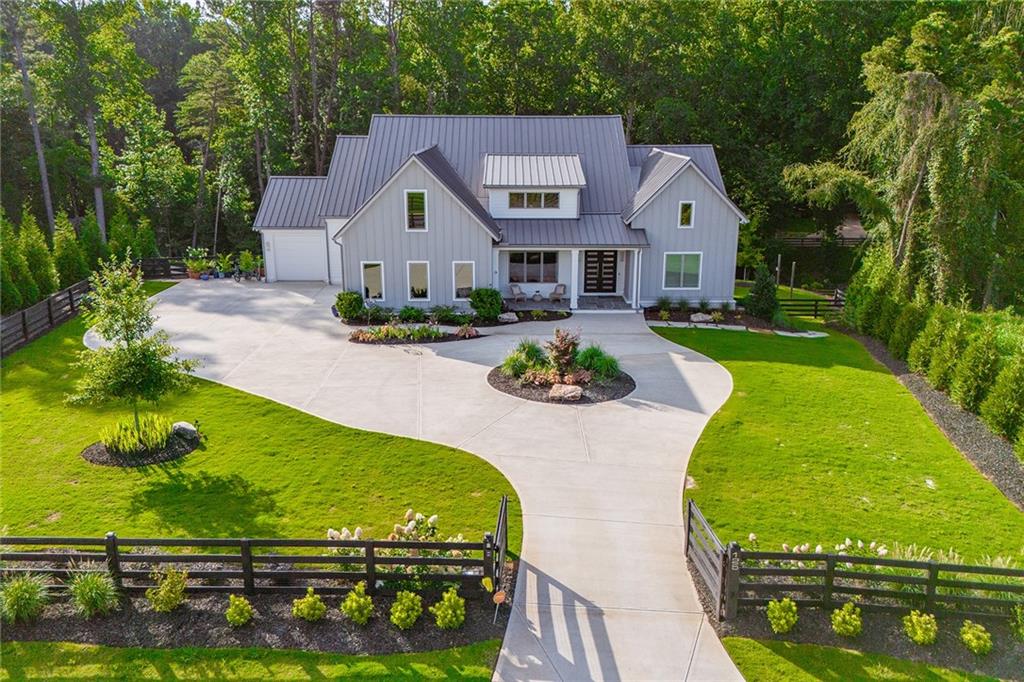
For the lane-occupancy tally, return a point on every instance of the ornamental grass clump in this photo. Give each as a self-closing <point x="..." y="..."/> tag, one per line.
<point x="600" y="364"/>
<point x="130" y="437"/>
<point x="921" y="628"/>
<point x="358" y="605"/>
<point x="93" y="592"/>
<point x="239" y="611"/>
<point x="406" y="609"/>
<point x="169" y="591"/>
<point x="450" y="612"/>
<point x="846" y="621"/>
<point x="1017" y="622"/>
<point x="22" y="597"/>
<point x="310" y="608"/>
<point x="976" y="638"/>
<point x="782" y="615"/>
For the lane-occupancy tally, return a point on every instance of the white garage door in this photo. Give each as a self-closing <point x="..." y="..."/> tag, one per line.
<point x="299" y="256"/>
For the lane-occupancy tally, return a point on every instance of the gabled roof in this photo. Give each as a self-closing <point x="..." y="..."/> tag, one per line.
<point x="343" y="176"/>
<point x="590" y="230"/>
<point x="291" y="202"/>
<point x="533" y="170"/>
<point x="658" y="170"/>
<point x="703" y="156"/>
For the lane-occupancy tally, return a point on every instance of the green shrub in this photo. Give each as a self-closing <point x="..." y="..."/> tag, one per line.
<point x="664" y="315"/>
<point x="169" y="591"/>
<point x="225" y="262"/>
<point x="406" y="609"/>
<point x="537" y="314"/>
<point x="486" y="303"/>
<point x="93" y="246"/>
<point x="1017" y="622"/>
<point x="885" y="323"/>
<point x="908" y="326"/>
<point x="94" y="593"/>
<point x="922" y="348"/>
<point x="921" y="628"/>
<point x="450" y="612"/>
<point x="683" y="303"/>
<point x="239" y="611"/>
<point x="24" y="291"/>
<point x="762" y="301"/>
<point x="870" y="310"/>
<point x="125" y="438"/>
<point x="376" y="314"/>
<point x="782" y="615"/>
<point x="121" y="236"/>
<point x="10" y="296"/>
<point x="976" y="638"/>
<point x="145" y="240"/>
<point x="37" y="255"/>
<point x="532" y="351"/>
<point x="663" y="303"/>
<point x="562" y="350"/>
<point x="704" y="305"/>
<point x="446" y="314"/>
<point x="358" y="605"/>
<point x="977" y="369"/>
<point x="949" y="352"/>
<point x="846" y="621"/>
<point x="1003" y="408"/>
<point x="350" y="305"/>
<point x="310" y="608"/>
<point x="412" y="314"/>
<point x="726" y="306"/>
<point x="600" y="364"/>
<point x="67" y="253"/>
<point x="1019" y="448"/>
<point x="246" y="261"/>
<point x="22" y="597"/>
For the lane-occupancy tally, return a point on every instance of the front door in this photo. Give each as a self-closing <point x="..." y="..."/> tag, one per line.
<point x="599" y="272"/>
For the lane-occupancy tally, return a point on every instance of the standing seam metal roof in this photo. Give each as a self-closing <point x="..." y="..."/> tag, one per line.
<point x="291" y="202"/>
<point x="437" y="164"/>
<point x="591" y="229"/>
<point x="343" y="176"/>
<point x="703" y="156"/>
<point x="533" y="170"/>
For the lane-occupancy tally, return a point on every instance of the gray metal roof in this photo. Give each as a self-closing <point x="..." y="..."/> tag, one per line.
<point x="658" y="169"/>
<point x="343" y="176"/>
<point x="291" y="202"/>
<point x="591" y="230"/>
<point x="703" y="156"/>
<point x="437" y="164"/>
<point x="533" y="170"/>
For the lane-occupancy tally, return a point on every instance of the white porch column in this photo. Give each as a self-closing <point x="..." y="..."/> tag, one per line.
<point x="574" y="279"/>
<point x="637" y="260"/>
<point x="494" y="270"/>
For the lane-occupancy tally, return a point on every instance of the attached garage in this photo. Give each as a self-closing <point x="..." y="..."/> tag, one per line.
<point x="294" y="236"/>
<point x="295" y="255"/>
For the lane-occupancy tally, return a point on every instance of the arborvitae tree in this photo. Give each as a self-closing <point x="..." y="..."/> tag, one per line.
<point x="145" y="240"/>
<point x="1003" y="409"/>
<point x="762" y="301"/>
<point x="927" y="342"/>
<point x="945" y="358"/>
<point x="907" y="328"/>
<point x="67" y="253"/>
<point x="15" y="263"/>
<point x="121" y="236"/>
<point x="89" y="237"/>
<point x="10" y="296"/>
<point x="37" y="255"/>
<point x="977" y="369"/>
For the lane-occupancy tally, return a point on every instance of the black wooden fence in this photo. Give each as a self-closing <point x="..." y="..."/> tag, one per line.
<point x="163" y="268"/>
<point x="262" y="565"/>
<point x="811" y="307"/>
<point x="740" y="578"/>
<point x="816" y="240"/>
<point x="19" y="328"/>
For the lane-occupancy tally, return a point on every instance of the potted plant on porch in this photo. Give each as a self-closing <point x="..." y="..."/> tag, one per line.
<point x="196" y="262"/>
<point x="247" y="264"/>
<point x="225" y="264"/>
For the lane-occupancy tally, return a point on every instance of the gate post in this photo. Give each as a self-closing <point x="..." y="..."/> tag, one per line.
<point x="731" y="582"/>
<point x="113" y="559"/>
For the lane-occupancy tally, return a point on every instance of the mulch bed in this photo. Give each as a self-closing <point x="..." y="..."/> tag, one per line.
<point x="527" y="316"/>
<point x="176" y="447"/>
<point x="990" y="454"/>
<point x="411" y="342"/>
<point x="594" y="392"/>
<point x="882" y="634"/>
<point x="730" y="317"/>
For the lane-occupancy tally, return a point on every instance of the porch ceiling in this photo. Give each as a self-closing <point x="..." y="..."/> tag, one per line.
<point x="591" y="230"/>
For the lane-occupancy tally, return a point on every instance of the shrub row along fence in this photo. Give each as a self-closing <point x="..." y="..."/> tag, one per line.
<point x="19" y="328"/>
<point x="163" y="268"/>
<point x="738" y="578"/>
<point x="264" y="565"/>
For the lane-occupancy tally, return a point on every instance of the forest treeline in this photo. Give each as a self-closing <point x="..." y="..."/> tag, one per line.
<point x="173" y="116"/>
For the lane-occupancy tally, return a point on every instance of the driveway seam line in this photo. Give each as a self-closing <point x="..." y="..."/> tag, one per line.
<point x="583" y="433"/>
<point x="462" y="443"/>
<point x="693" y="651"/>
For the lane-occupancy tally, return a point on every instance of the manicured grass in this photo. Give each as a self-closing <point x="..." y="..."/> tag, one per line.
<point x="818" y="443"/>
<point x="265" y="470"/>
<point x="773" y="661"/>
<point x="60" y="660"/>
<point x="798" y="294"/>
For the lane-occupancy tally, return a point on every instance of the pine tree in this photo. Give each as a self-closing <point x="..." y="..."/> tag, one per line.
<point x="762" y="301"/>
<point x="14" y="262"/>
<point x="93" y="248"/>
<point x="145" y="241"/>
<point x="10" y="296"/>
<point x="37" y="255"/>
<point x="122" y="237"/>
<point x="67" y="253"/>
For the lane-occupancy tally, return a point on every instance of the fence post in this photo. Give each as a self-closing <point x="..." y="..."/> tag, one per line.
<point x="24" y="324"/>
<point x="371" y="568"/>
<point x="49" y="309"/>
<point x="830" y="576"/>
<point x="731" y="584"/>
<point x="248" y="578"/>
<point x="489" y="558"/>
<point x="71" y="299"/>
<point x="113" y="559"/>
<point x="686" y="529"/>
<point x="933" y="578"/>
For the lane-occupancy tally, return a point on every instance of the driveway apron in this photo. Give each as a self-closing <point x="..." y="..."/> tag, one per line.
<point x="603" y="589"/>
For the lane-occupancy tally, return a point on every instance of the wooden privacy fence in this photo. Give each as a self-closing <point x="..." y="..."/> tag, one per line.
<point x="747" y="578"/>
<point x="261" y="565"/>
<point x="163" y="268"/>
<point x="19" y="328"/>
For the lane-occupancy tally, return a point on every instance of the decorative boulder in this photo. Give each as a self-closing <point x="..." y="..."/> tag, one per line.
<point x="565" y="393"/>
<point x="186" y="431"/>
<point x="700" y="317"/>
<point x="508" y="317"/>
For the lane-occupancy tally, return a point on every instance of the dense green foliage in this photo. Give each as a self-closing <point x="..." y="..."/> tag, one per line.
<point x="150" y="432"/>
<point x="846" y="620"/>
<point x="68" y="256"/>
<point x="450" y="612"/>
<point x="976" y="371"/>
<point x="349" y="304"/>
<point x="921" y="628"/>
<point x="1003" y="409"/>
<point x="310" y="608"/>
<point x="168" y="592"/>
<point x="762" y="300"/>
<point x="486" y="303"/>
<point x="239" y="611"/>
<point x="358" y="605"/>
<point x="976" y="638"/>
<point x="782" y="615"/>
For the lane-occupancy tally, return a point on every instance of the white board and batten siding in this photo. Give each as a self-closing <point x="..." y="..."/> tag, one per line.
<point x="714" y="235"/>
<point x="379" y="234"/>
<point x="295" y="255"/>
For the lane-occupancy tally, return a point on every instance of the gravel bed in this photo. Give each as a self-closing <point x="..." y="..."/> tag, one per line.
<point x="990" y="454"/>
<point x="594" y="392"/>
<point x="176" y="447"/>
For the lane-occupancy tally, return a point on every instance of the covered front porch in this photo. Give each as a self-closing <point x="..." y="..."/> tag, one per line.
<point x="595" y="279"/>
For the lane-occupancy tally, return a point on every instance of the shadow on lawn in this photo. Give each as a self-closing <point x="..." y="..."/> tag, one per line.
<point x="202" y="504"/>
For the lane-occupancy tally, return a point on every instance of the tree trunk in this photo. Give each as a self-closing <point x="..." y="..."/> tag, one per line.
<point x="630" y="116"/>
<point x="216" y="218"/>
<point x="97" y="185"/>
<point x="901" y="245"/>
<point x="259" y="162"/>
<point x="26" y="86"/>
<point x="199" y="194"/>
<point x="396" y="82"/>
<point x="293" y="79"/>
<point x="318" y="162"/>
<point x="993" y="269"/>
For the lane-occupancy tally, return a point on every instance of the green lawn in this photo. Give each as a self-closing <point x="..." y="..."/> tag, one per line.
<point x="265" y="470"/>
<point x="773" y="661"/>
<point x="798" y="294"/>
<point x="818" y="442"/>
<point x="45" y="660"/>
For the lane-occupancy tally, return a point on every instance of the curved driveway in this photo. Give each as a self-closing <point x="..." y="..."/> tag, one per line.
<point x="603" y="589"/>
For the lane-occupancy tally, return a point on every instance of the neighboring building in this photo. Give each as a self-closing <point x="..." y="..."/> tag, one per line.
<point x="425" y="208"/>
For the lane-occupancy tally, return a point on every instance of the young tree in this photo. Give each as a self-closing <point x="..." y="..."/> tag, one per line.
<point x="145" y="240"/>
<point x="94" y="249"/>
<point x="762" y="301"/>
<point x="67" y="253"/>
<point x="37" y="255"/>
<point x="24" y="291"/>
<point x="137" y="364"/>
<point x="122" y="237"/>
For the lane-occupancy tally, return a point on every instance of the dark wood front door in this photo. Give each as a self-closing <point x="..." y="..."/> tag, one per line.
<point x="599" y="270"/>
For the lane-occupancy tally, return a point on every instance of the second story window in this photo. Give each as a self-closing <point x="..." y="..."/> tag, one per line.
<point x="415" y="210"/>
<point x="685" y="214"/>
<point x="533" y="199"/>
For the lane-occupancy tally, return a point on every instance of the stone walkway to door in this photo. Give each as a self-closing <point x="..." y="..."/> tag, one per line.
<point x="603" y="589"/>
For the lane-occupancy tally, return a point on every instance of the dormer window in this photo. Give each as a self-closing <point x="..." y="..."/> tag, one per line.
<point x="415" y="210"/>
<point x="533" y="199"/>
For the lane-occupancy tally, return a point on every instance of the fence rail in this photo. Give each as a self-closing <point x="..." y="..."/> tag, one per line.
<point x="17" y="329"/>
<point x="163" y="268"/>
<point x="262" y="565"/>
<point x="811" y="241"/>
<point x="752" y="578"/>
<point x="813" y="307"/>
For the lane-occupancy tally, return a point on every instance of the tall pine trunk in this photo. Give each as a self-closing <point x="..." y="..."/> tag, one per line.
<point x="26" y="86"/>
<point x="318" y="162"/>
<point x="97" y="184"/>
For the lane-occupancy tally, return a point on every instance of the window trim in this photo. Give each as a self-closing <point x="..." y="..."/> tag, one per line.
<point x="543" y="202"/>
<point x="362" y="280"/>
<point x="455" y="288"/>
<point x="405" y="210"/>
<point x="508" y="274"/>
<point x="664" y="269"/>
<point x="693" y="214"/>
<point x="408" y="282"/>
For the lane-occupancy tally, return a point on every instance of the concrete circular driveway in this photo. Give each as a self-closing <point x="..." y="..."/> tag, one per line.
<point x="603" y="590"/>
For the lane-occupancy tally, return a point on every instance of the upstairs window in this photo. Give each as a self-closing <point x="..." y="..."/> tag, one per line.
<point x="533" y="199"/>
<point x="416" y="210"/>
<point x="685" y="214"/>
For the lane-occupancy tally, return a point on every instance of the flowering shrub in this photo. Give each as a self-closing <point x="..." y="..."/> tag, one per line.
<point x="450" y="612"/>
<point x="782" y="615"/>
<point x="310" y="608"/>
<point x="846" y="621"/>
<point x="976" y="638"/>
<point x="406" y="609"/>
<point x="921" y="628"/>
<point x="169" y="591"/>
<point x="239" y="611"/>
<point x="22" y="597"/>
<point x="358" y="605"/>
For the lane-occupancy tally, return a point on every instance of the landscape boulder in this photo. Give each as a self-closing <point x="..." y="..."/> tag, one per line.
<point x="508" y="317"/>
<point x="565" y="393"/>
<point x="700" y="317"/>
<point x="186" y="431"/>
